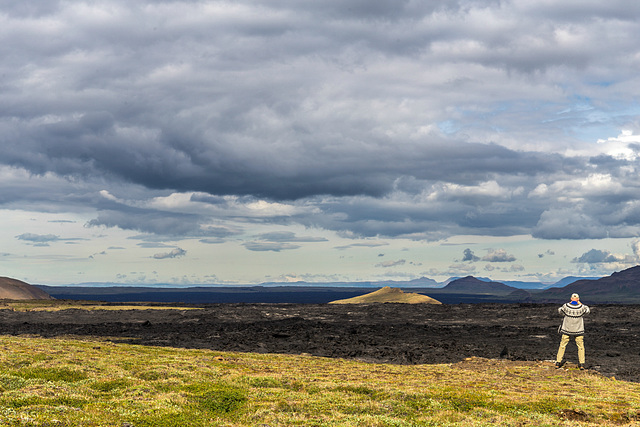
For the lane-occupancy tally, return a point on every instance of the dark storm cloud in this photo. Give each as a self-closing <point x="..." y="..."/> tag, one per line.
<point x="376" y="114"/>
<point x="145" y="142"/>
<point x="207" y="198"/>
<point x="160" y="222"/>
<point x="431" y="217"/>
<point x="148" y="221"/>
<point x="90" y="146"/>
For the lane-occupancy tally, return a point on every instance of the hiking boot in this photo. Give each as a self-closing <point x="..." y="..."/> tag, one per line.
<point x="560" y="364"/>
<point x="581" y="366"/>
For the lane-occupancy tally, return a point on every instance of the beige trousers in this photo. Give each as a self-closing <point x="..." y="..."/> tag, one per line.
<point x="563" y="346"/>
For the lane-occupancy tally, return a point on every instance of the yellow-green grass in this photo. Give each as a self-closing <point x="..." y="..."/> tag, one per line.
<point x="91" y="382"/>
<point x="57" y="305"/>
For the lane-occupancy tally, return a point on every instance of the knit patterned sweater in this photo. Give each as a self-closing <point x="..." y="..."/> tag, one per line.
<point x="573" y="324"/>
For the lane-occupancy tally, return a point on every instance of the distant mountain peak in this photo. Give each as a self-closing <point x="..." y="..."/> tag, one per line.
<point x="472" y="285"/>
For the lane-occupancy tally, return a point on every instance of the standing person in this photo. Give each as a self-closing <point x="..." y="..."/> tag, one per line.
<point x="572" y="326"/>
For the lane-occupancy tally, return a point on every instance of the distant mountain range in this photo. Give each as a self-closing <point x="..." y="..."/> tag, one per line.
<point x="620" y="287"/>
<point x="425" y="282"/>
<point x="422" y="282"/>
<point x="472" y="285"/>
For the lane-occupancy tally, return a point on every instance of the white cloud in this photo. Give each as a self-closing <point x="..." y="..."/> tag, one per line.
<point x="456" y="269"/>
<point x="597" y="256"/>
<point x="498" y="255"/>
<point x="635" y="247"/>
<point x="620" y="147"/>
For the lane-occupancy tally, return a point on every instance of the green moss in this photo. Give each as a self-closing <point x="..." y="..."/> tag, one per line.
<point x="151" y="375"/>
<point x="217" y="398"/>
<point x="52" y="374"/>
<point x="264" y="382"/>
<point x="29" y="401"/>
<point x="169" y="419"/>
<point x="359" y="389"/>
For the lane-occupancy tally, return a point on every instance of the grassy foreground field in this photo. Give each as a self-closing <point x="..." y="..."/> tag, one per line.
<point x="88" y="382"/>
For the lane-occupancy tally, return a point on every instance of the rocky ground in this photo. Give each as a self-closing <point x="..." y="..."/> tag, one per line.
<point x="389" y="333"/>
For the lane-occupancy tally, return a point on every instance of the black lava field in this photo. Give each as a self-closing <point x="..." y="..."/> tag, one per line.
<point x="376" y="333"/>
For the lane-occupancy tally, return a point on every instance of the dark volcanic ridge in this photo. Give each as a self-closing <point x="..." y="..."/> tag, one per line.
<point x="471" y="285"/>
<point x="620" y="287"/>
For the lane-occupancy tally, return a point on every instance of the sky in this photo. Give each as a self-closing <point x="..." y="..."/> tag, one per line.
<point x="213" y="142"/>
